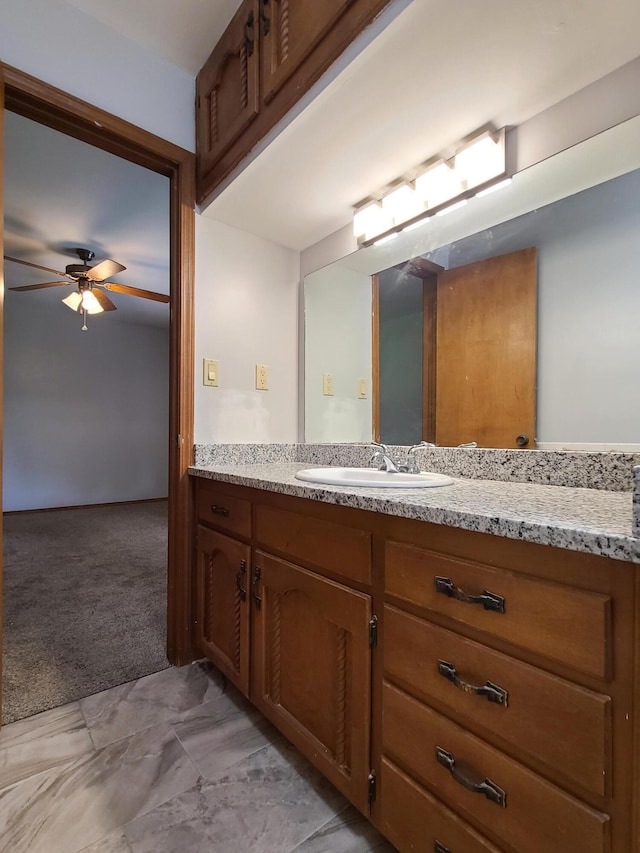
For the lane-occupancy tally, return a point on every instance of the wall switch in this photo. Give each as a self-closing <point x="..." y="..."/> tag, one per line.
<point x="362" y="389"/>
<point x="327" y="385"/>
<point x="262" y="377"/>
<point x="210" y="372"/>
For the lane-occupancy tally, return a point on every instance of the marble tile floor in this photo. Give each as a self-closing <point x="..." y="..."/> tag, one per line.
<point x="175" y="762"/>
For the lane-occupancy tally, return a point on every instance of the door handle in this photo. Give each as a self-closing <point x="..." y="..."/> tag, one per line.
<point x="257" y="574"/>
<point x="243" y="571"/>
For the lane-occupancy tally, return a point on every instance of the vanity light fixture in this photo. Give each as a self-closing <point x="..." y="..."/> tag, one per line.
<point x="478" y="165"/>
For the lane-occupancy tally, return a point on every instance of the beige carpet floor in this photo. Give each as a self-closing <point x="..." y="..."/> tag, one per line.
<point x="84" y="602"/>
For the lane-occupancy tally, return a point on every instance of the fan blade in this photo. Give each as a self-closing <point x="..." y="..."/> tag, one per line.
<point x="103" y="270"/>
<point x="40" y="286"/>
<point x="35" y="266"/>
<point x="105" y="303"/>
<point x="134" y="291"/>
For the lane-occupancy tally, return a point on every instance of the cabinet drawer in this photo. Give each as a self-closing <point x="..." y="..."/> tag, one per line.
<point x="518" y="806"/>
<point x="342" y="550"/>
<point x="560" y="622"/>
<point x="564" y="725"/>
<point x="224" y="511"/>
<point x="413" y="820"/>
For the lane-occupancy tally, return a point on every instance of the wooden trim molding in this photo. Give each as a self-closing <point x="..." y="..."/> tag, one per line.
<point x="375" y="357"/>
<point x="54" y="108"/>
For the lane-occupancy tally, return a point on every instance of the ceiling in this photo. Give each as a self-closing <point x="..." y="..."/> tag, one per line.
<point x="182" y="31"/>
<point x="60" y="193"/>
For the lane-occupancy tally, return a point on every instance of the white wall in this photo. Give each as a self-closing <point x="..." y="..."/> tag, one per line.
<point x="338" y="342"/>
<point x="246" y="314"/>
<point x="85" y="413"/>
<point x="56" y="42"/>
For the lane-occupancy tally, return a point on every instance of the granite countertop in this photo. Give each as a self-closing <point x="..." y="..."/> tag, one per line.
<point x="588" y="520"/>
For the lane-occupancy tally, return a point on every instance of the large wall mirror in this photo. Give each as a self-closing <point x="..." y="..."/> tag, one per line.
<point x="513" y="322"/>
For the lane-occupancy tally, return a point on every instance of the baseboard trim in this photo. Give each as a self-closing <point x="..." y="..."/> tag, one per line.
<point x="84" y="506"/>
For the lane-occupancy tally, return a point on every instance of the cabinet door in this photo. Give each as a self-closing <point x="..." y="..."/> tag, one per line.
<point x="311" y="668"/>
<point x="291" y="29"/>
<point x="222" y="629"/>
<point x="227" y="87"/>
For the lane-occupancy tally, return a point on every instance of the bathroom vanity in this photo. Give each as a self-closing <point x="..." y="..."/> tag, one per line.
<point x="461" y="663"/>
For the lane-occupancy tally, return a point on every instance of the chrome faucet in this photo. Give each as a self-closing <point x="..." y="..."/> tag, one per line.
<point x="382" y="459"/>
<point x="412" y="463"/>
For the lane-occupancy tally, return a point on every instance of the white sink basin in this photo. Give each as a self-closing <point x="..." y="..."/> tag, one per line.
<point x="372" y="478"/>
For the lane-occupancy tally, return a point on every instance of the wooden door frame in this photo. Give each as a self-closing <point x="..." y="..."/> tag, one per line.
<point x="56" y="109"/>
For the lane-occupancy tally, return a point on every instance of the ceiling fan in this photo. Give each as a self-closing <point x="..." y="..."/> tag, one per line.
<point x="88" y="299"/>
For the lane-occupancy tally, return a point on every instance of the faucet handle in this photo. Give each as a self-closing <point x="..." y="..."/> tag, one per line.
<point x="412" y="465"/>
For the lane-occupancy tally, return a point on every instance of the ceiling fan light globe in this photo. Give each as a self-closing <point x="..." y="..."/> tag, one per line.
<point x="73" y="300"/>
<point x="90" y="304"/>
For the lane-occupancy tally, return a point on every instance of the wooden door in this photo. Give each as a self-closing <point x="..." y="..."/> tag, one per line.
<point x="222" y="609"/>
<point x="311" y="668"/>
<point x="290" y="30"/>
<point x="486" y="352"/>
<point x="227" y="87"/>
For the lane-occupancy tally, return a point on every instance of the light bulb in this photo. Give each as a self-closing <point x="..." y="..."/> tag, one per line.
<point x="90" y="304"/>
<point x="438" y="184"/>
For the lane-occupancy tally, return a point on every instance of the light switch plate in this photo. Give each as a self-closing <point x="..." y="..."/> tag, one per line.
<point x="210" y="372"/>
<point x="362" y="389"/>
<point x="327" y="385"/>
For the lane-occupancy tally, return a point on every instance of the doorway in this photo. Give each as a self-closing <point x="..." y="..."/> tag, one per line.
<point x="33" y="99"/>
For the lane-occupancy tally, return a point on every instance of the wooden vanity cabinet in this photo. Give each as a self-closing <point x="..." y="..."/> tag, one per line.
<point x="283" y="608"/>
<point x="466" y="692"/>
<point x="268" y="58"/>
<point x="507" y="692"/>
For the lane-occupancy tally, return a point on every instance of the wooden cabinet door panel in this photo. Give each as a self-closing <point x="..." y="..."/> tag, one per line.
<point x="291" y="29"/>
<point x="311" y="668"/>
<point x="228" y="87"/>
<point x="222" y="627"/>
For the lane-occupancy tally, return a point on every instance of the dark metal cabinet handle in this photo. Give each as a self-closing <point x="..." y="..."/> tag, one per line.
<point x="266" y="20"/>
<point x="243" y="571"/>
<point x="491" y="691"/>
<point x="440" y="848"/>
<point x="257" y="574"/>
<point x="485" y="787"/>
<point x="249" y="35"/>
<point x="219" y="510"/>
<point x="522" y="440"/>
<point x="489" y="600"/>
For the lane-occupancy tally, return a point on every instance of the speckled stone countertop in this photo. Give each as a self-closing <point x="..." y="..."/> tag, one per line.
<point x="588" y="520"/>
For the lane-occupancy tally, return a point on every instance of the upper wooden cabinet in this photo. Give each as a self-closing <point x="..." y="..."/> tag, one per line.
<point x="228" y="96"/>
<point x="290" y="31"/>
<point x="270" y="55"/>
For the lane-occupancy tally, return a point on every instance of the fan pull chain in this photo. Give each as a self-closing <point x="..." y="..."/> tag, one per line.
<point x="84" y="317"/>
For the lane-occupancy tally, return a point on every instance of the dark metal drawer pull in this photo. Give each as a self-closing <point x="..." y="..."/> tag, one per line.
<point x="440" y="848"/>
<point x="485" y="786"/>
<point x="491" y="691"/>
<point x="243" y="571"/>
<point x="489" y="600"/>
<point x="219" y="510"/>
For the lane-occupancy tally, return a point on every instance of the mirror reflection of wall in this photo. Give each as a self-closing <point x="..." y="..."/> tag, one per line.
<point x="589" y="304"/>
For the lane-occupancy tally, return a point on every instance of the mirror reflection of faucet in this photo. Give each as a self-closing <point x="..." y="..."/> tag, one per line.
<point x="382" y="459"/>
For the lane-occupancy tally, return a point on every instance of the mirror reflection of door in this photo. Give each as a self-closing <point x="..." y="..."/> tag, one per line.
<point x="456" y="351"/>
